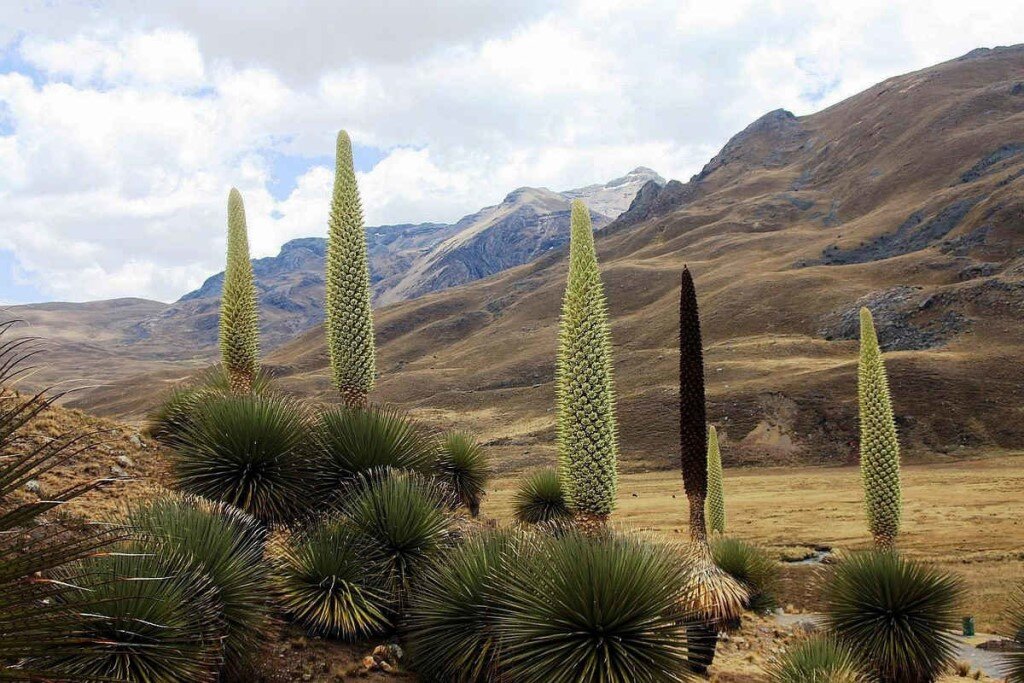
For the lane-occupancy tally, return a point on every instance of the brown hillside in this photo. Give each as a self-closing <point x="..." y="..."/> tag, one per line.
<point x="908" y="197"/>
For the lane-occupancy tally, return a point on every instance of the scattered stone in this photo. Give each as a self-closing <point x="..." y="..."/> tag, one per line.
<point x="117" y="471"/>
<point x="136" y="441"/>
<point x="807" y="626"/>
<point x="124" y="461"/>
<point x="33" y="486"/>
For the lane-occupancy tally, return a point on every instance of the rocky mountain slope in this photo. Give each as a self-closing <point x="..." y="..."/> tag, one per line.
<point x="108" y="340"/>
<point x="907" y="198"/>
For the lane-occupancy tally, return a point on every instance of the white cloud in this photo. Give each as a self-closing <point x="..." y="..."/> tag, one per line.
<point x="130" y="122"/>
<point x="161" y="57"/>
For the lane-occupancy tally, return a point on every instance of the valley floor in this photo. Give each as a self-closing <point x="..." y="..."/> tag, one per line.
<point x="967" y="516"/>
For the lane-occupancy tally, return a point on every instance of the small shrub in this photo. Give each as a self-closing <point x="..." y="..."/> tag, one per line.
<point x="403" y="520"/>
<point x="1015" y="660"/>
<point x="754" y="568"/>
<point x="327" y="579"/>
<point x="463" y="467"/>
<point x="249" y="451"/>
<point x="895" y="613"/>
<point x="352" y="442"/>
<point x="149" y="618"/>
<point x="594" y="608"/>
<point x="817" y="660"/>
<point x="227" y="546"/>
<point x="453" y="611"/>
<point x="539" y="498"/>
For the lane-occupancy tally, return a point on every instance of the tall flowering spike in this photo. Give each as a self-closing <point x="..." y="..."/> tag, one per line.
<point x="716" y="494"/>
<point x="714" y="596"/>
<point x="349" y="318"/>
<point x="239" y="310"/>
<point x="879" y="446"/>
<point x="587" y="433"/>
<point x="693" y="435"/>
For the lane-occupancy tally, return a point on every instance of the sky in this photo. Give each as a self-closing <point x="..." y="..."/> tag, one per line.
<point x="123" y="124"/>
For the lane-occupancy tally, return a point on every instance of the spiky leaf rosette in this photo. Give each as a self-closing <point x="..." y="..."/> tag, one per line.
<point x="463" y="467"/>
<point x="227" y="546"/>
<point x="716" y="493"/>
<point x="879" y="447"/>
<point x="539" y="498"/>
<point x="693" y="435"/>
<point x="817" y="660"/>
<point x="239" y="310"/>
<point x="587" y="433"/>
<point x="330" y="580"/>
<point x="598" y="608"/>
<point x="1015" y="660"/>
<point x="404" y="520"/>
<point x="894" y="613"/>
<point x="33" y="546"/>
<point x="349" y="318"/>
<point x="249" y="451"/>
<point x="357" y="441"/>
<point x="169" y="419"/>
<point x="150" y="618"/>
<point x="453" y="613"/>
<point x="753" y="567"/>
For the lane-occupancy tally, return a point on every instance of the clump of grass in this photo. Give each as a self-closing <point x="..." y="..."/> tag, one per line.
<point x="330" y="580"/>
<point x="454" y="609"/>
<point x="227" y="546"/>
<point x="817" y="660"/>
<point x="540" y="499"/>
<point x="895" y="613"/>
<point x="173" y="414"/>
<point x="152" y="618"/>
<point x="463" y="467"/>
<point x="753" y="567"/>
<point x="403" y="519"/>
<point x="355" y="442"/>
<point x="250" y="451"/>
<point x="170" y="418"/>
<point x="601" y="607"/>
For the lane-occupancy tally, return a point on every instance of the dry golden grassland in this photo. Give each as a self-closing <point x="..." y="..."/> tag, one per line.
<point x="967" y="516"/>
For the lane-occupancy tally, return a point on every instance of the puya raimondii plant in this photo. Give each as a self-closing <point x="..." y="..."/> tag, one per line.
<point x="879" y="446"/>
<point x="714" y="596"/>
<point x="587" y="433"/>
<point x="239" y="310"/>
<point x="716" y="494"/>
<point x="349" y="318"/>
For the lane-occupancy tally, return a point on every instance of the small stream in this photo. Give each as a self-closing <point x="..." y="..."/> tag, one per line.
<point x="818" y="556"/>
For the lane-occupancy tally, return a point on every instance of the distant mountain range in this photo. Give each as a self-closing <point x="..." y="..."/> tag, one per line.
<point x="907" y="198"/>
<point x="406" y="261"/>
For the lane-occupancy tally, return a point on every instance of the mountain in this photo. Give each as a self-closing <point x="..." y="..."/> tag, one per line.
<point x="111" y="339"/>
<point x="907" y="198"/>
